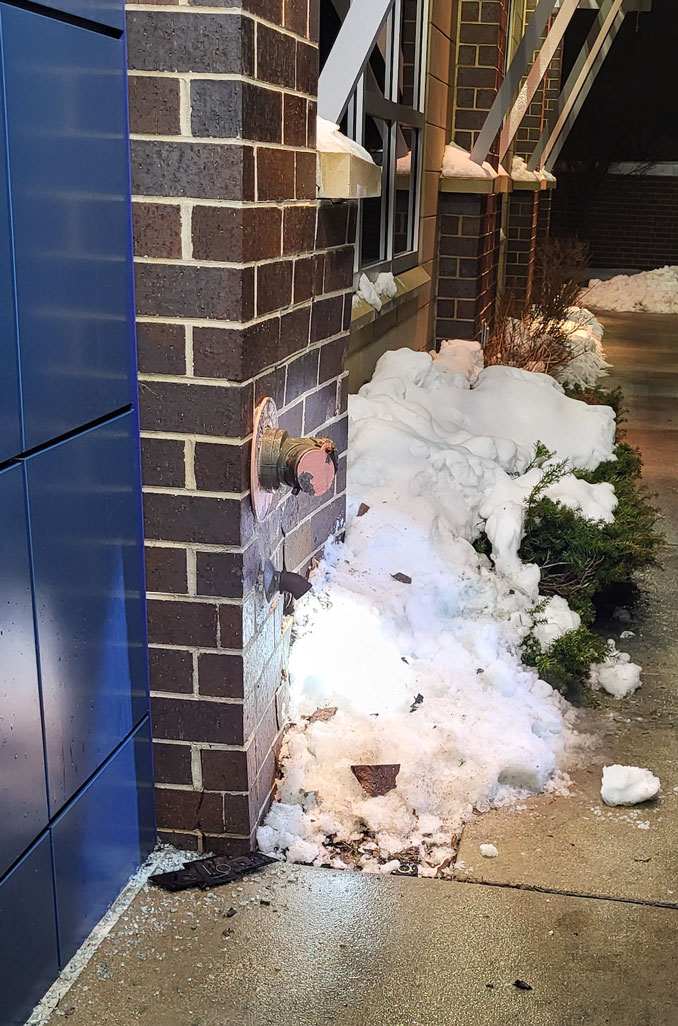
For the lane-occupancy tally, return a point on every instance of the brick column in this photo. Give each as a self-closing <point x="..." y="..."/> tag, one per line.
<point x="243" y="290"/>
<point x="468" y="239"/>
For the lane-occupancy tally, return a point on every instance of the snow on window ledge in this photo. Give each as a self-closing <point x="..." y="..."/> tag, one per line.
<point x="345" y="168"/>
<point x="461" y="174"/>
<point x="406" y="286"/>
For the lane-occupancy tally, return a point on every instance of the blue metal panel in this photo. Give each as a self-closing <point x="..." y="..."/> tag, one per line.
<point x="101" y="838"/>
<point x="88" y="580"/>
<point x="23" y="795"/>
<point x="10" y="415"/>
<point x="28" y="942"/>
<point x="68" y="160"/>
<point x="106" y="12"/>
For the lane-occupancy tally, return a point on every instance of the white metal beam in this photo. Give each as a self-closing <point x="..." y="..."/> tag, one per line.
<point x="579" y="82"/>
<point x="536" y="74"/>
<point x="514" y="76"/>
<point x="349" y="55"/>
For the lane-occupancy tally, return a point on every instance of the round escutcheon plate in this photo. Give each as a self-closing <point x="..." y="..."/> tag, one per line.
<point x="265" y="416"/>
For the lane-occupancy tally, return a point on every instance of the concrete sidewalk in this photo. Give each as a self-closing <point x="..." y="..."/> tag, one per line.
<point x="581" y="903"/>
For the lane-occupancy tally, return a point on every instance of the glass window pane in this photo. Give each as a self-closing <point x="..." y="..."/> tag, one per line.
<point x="404" y="234"/>
<point x="374" y="210"/>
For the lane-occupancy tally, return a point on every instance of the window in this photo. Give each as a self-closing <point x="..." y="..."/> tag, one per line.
<point x="374" y="88"/>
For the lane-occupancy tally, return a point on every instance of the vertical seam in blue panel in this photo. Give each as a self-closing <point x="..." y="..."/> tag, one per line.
<point x="10" y="219"/>
<point x="56" y="903"/>
<point x="31" y="567"/>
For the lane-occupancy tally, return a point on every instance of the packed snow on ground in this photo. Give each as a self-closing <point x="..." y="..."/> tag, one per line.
<point x="628" y="785"/>
<point x="617" y="675"/>
<point x="647" y="291"/>
<point x="329" y="139"/>
<point x="410" y="640"/>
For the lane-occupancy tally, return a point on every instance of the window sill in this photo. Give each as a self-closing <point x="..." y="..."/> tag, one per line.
<point x="347" y="176"/>
<point x="409" y="284"/>
<point x="484" y="186"/>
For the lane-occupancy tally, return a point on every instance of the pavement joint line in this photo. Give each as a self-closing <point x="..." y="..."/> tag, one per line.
<point x="569" y="894"/>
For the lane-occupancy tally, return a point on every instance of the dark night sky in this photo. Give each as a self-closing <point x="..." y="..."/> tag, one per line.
<point x="631" y="112"/>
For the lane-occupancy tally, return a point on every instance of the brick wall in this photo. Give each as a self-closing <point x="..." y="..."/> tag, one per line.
<point x="628" y="220"/>
<point x="243" y="290"/>
<point x="521" y="241"/>
<point x="468" y="224"/>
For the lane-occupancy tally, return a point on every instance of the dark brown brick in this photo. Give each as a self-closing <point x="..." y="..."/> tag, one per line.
<point x="179" y="290"/>
<point x="153" y="105"/>
<point x="172" y="764"/>
<point x="189" y="810"/>
<point x="307" y="68"/>
<point x="320" y="406"/>
<point x="470" y="11"/>
<point x="236" y="813"/>
<point x="275" y="174"/>
<point x="236" y="353"/>
<point x="299" y="229"/>
<point x="222" y="467"/>
<point x="174" y="622"/>
<point x="305" y="175"/>
<point x="295" y="120"/>
<point x="162" y="462"/>
<point x="302" y="375"/>
<point x="228" y="574"/>
<point x="195" y="518"/>
<point x="236" y="233"/>
<point x="333" y="221"/>
<point x="276" y="57"/>
<point x="196" y="409"/>
<point x="272" y="384"/>
<point x="221" y="675"/>
<point x="202" y="720"/>
<point x="157" y="230"/>
<point x="236" y="623"/>
<point x="311" y="535"/>
<point x="231" y="109"/>
<point x="332" y="359"/>
<point x="274" y="286"/>
<point x="296" y="16"/>
<point x="339" y="269"/>
<point x="183" y="41"/>
<point x="200" y="170"/>
<point x="308" y="273"/>
<point x="161" y="348"/>
<point x="166" y="569"/>
<point x="311" y="122"/>
<point x="326" y="318"/>
<point x="183" y="840"/>
<point x="294" y="330"/>
<point x="171" y="669"/>
<point x="224" y="770"/>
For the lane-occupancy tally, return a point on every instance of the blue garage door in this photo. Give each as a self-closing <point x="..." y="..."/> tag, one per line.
<point x="76" y="806"/>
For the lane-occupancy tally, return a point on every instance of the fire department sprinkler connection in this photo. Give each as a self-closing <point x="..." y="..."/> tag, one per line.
<point x="302" y="464"/>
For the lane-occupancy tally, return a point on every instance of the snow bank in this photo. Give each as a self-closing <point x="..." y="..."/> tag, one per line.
<point x="588" y="362"/>
<point x="330" y="140"/>
<point x="628" y="785"/>
<point x="410" y="635"/>
<point x="648" y="291"/>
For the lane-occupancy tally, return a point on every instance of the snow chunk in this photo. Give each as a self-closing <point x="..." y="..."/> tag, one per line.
<point x="457" y="163"/>
<point x="649" y="291"/>
<point x="329" y="139"/>
<point x="488" y="851"/>
<point x="628" y="785"/>
<point x="460" y="356"/>
<point x="376" y="292"/>
<point x="617" y="674"/>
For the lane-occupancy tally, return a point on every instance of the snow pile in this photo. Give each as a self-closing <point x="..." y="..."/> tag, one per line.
<point x="648" y="291"/>
<point x="457" y="163"/>
<point x="628" y="785"/>
<point x="460" y="356"/>
<point x="409" y="643"/>
<point x="521" y="173"/>
<point x="588" y="362"/>
<point x="376" y="292"/>
<point x="617" y="675"/>
<point x="330" y="140"/>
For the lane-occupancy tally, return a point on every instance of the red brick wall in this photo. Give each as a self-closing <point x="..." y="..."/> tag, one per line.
<point x="243" y="290"/>
<point x="628" y="220"/>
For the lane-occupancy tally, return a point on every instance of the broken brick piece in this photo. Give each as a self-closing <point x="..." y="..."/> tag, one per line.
<point x="322" y="715"/>
<point x="377" y="780"/>
<point x="403" y="578"/>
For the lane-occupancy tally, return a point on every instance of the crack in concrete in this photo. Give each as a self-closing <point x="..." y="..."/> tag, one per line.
<point x="569" y="894"/>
